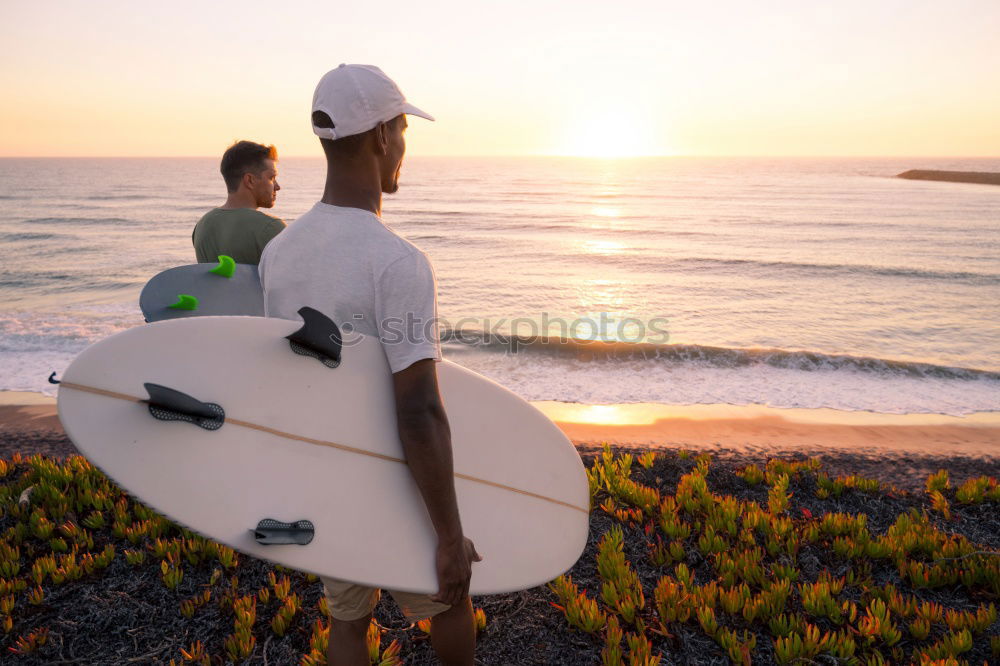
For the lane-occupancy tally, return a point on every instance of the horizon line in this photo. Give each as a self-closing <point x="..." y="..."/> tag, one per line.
<point x="542" y="155"/>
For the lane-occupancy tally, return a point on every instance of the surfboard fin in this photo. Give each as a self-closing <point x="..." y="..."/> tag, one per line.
<point x="274" y="532"/>
<point x="185" y="302"/>
<point x="167" y="404"/>
<point x="226" y="267"/>
<point x="319" y="338"/>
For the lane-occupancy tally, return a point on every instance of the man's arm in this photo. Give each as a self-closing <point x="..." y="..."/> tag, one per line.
<point x="426" y="439"/>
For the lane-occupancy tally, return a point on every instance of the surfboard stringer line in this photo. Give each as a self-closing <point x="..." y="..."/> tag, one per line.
<point x="320" y="442"/>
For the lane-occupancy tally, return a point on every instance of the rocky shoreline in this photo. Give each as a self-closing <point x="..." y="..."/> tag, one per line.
<point x="976" y="177"/>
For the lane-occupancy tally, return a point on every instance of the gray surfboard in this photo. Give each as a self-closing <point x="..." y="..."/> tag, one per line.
<point x="222" y="289"/>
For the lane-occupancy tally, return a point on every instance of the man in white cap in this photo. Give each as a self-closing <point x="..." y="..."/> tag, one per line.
<point x="342" y="260"/>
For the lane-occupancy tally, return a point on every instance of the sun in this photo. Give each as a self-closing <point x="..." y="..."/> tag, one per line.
<point x="612" y="135"/>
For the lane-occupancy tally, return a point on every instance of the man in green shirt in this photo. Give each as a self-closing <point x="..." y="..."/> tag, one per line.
<point x="237" y="228"/>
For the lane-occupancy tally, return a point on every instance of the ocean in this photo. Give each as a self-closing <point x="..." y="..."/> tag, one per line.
<point x="779" y="282"/>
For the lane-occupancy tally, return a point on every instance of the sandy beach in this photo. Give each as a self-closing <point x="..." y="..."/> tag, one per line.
<point x="898" y="449"/>
<point x="902" y="455"/>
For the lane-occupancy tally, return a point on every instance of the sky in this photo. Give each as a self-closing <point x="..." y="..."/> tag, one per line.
<point x="519" y="77"/>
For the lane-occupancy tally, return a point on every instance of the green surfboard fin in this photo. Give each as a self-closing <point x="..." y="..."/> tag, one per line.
<point x="185" y="302"/>
<point x="226" y="267"/>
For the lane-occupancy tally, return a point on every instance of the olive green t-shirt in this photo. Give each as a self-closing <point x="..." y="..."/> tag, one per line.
<point x="240" y="233"/>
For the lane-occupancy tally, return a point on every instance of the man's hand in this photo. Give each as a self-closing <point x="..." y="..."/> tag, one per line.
<point x="454" y="569"/>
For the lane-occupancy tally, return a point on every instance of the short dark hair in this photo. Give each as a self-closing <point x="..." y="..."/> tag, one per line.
<point x="348" y="146"/>
<point x="244" y="157"/>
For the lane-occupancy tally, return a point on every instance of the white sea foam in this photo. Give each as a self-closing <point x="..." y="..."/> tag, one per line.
<point x="634" y="381"/>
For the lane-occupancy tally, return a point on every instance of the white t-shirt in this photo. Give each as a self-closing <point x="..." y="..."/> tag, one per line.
<point x="347" y="264"/>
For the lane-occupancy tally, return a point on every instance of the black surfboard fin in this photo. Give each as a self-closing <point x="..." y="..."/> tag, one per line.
<point x="271" y="532"/>
<point x="167" y="404"/>
<point x="319" y="338"/>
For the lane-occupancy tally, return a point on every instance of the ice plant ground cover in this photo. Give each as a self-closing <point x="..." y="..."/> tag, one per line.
<point x="687" y="562"/>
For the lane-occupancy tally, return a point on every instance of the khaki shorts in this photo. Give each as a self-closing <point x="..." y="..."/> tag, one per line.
<point x="349" y="601"/>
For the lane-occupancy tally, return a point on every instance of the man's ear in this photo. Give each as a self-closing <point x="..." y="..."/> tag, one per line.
<point x="382" y="137"/>
<point x="247" y="180"/>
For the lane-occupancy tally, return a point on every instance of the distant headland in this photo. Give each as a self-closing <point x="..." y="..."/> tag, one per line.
<point x="978" y="177"/>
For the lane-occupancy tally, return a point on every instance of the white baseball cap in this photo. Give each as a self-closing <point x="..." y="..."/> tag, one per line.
<point x="357" y="98"/>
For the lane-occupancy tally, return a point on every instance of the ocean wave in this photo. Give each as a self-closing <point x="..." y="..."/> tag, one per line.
<point x="28" y="235"/>
<point x="540" y="378"/>
<point x="461" y="241"/>
<point x="439" y="213"/>
<point x="117" y="197"/>
<point x="45" y="282"/>
<point x="598" y="351"/>
<point x="850" y="269"/>
<point x="528" y="195"/>
<point x="82" y="221"/>
<point x="636" y="259"/>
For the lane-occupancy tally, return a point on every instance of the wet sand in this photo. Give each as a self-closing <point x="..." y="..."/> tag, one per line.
<point x="897" y="450"/>
<point x="30" y="418"/>
<point x="774" y="432"/>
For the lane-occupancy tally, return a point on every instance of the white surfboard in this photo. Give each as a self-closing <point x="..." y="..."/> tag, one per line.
<point x="302" y="441"/>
